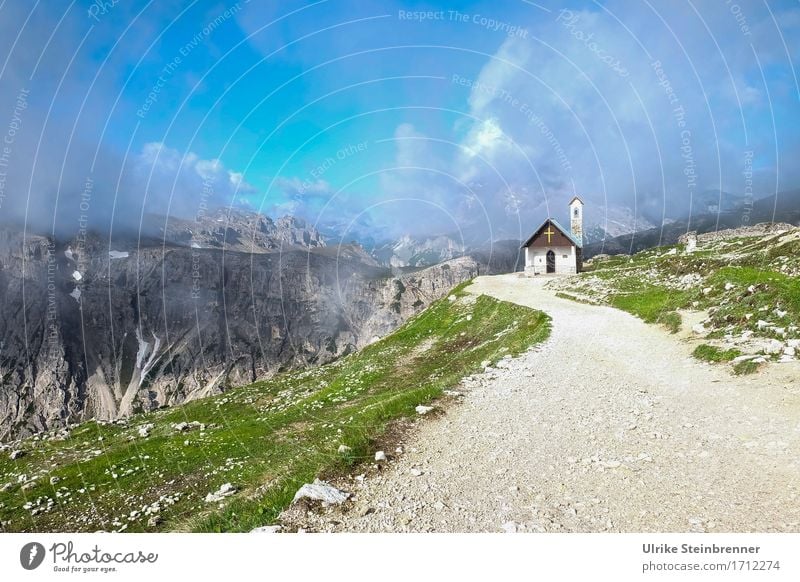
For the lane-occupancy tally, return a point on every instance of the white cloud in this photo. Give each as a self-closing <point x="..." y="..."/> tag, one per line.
<point x="179" y="183"/>
<point x="498" y="72"/>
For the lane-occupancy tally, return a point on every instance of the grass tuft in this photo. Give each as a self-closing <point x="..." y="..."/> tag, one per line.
<point x="745" y="367"/>
<point x="650" y="303"/>
<point x="711" y="353"/>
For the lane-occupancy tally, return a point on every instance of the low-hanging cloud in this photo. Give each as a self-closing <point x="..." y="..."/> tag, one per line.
<point x="67" y="163"/>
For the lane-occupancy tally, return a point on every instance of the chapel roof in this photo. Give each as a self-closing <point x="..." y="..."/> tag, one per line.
<point x="555" y="223"/>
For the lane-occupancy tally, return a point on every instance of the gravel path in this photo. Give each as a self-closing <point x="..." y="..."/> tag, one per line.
<point x="608" y="426"/>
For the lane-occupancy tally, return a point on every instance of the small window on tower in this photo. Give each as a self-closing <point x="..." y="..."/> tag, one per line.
<point x="575" y="212"/>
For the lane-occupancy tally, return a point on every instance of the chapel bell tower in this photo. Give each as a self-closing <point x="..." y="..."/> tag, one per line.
<point x="576" y="218"/>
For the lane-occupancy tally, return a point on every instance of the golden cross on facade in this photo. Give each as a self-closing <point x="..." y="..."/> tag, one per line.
<point x="549" y="232"/>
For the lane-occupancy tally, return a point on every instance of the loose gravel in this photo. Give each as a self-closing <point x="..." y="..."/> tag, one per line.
<point x="610" y="425"/>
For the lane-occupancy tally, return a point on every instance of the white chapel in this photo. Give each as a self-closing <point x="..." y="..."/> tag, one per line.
<point x="553" y="249"/>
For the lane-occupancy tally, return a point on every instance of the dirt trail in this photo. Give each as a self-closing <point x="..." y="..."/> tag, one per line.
<point x="610" y="425"/>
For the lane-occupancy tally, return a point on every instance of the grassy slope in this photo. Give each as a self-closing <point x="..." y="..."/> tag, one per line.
<point x="743" y="281"/>
<point x="266" y="438"/>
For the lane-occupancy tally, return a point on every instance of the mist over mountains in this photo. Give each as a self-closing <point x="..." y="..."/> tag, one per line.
<point x="738" y="211"/>
<point x="101" y="328"/>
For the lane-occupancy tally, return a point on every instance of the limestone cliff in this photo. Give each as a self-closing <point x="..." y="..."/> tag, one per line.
<point x="98" y="329"/>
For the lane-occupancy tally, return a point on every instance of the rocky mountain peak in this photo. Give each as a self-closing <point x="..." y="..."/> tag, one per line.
<point x="240" y="230"/>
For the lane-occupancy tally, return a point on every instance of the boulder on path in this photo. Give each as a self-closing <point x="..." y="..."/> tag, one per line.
<point x="321" y="491"/>
<point x="423" y="409"/>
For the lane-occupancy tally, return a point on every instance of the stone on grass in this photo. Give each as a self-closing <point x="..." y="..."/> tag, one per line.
<point x="344" y="449"/>
<point x="225" y="490"/>
<point x="184" y="426"/>
<point x="423" y="409"/>
<point x="321" y="491"/>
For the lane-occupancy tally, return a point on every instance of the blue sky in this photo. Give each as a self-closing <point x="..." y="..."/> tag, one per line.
<point x="393" y="117"/>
